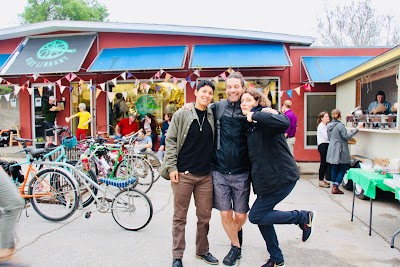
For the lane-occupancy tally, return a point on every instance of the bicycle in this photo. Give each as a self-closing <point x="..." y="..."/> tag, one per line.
<point x="52" y="192"/>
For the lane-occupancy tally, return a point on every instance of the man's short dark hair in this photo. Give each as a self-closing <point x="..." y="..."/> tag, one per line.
<point x="380" y="93"/>
<point x="203" y="83"/>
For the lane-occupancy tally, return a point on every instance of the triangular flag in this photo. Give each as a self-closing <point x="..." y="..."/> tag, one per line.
<point x="1" y="80"/>
<point x="45" y="80"/>
<point x="147" y="87"/>
<point x="71" y="88"/>
<point x="192" y="84"/>
<point x="110" y="96"/>
<point x="175" y="80"/>
<point x="280" y="93"/>
<point x="102" y="86"/>
<point x="135" y="90"/>
<point x="182" y="84"/>
<point x="59" y="83"/>
<point x="30" y="91"/>
<point x="73" y="76"/>
<point x="68" y="77"/>
<point x="62" y="88"/>
<point x="40" y="90"/>
<point x="35" y="76"/>
<point x="114" y="81"/>
<point x="307" y="87"/>
<point x="136" y="82"/>
<point x="98" y="91"/>
<point x="16" y="89"/>
<point x="125" y="94"/>
<point x="151" y="80"/>
<point x="167" y="77"/>
<point x="81" y="82"/>
<point x="197" y="73"/>
<point x="123" y="75"/>
<point x="215" y="79"/>
<point x="223" y="76"/>
<point x="92" y="87"/>
<point x="7" y="96"/>
<point x="297" y="89"/>
<point x="8" y="83"/>
<point x="188" y="79"/>
<point x="229" y="70"/>
<point x="157" y="75"/>
<point x="289" y="93"/>
<point x="161" y="71"/>
<point x="129" y="75"/>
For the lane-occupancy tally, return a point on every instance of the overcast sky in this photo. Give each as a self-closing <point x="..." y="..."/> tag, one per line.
<point x="282" y="16"/>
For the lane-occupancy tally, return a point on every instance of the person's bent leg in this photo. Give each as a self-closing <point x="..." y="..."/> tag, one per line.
<point x="182" y="194"/>
<point x="11" y="204"/>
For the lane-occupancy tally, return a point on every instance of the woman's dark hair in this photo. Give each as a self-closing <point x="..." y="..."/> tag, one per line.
<point x="169" y="115"/>
<point x="380" y="93"/>
<point x="320" y="116"/>
<point x="259" y="96"/>
<point x="203" y="83"/>
<point x="336" y="114"/>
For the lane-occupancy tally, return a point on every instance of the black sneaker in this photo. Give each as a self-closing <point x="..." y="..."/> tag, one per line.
<point x="210" y="259"/>
<point x="308" y="228"/>
<point x="234" y="254"/>
<point x="271" y="263"/>
<point x="240" y="236"/>
<point x="177" y="263"/>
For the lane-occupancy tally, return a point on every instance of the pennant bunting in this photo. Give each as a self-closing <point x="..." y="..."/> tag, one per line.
<point x="7" y="97"/>
<point x="16" y="89"/>
<point x="73" y="76"/>
<point x="182" y="84"/>
<point x="58" y="82"/>
<point x="8" y="83"/>
<point x="92" y="87"/>
<point x="151" y="80"/>
<point x="30" y="90"/>
<point x="110" y="96"/>
<point x="125" y="94"/>
<point x="135" y="91"/>
<point x="307" y="87"/>
<point x="102" y="86"/>
<point x="197" y="73"/>
<point x="167" y="77"/>
<point x="161" y="71"/>
<point x="114" y="81"/>
<point x="35" y="76"/>
<point x="1" y="80"/>
<point x="129" y="75"/>
<point x="147" y="87"/>
<point x="229" y="70"/>
<point x="62" y="88"/>
<point x="216" y="79"/>
<point x="175" y="80"/>
<point x="280" y="93"/>
<point x="136" y="82"/>
<point x="71" y="88"/>
<point x="297" y="89"/>
<point x="98" y="91"/>
<point x="223" y="76"/>
<point x="81" y="82"/>
<point x="289" y="93"/>
<point x="123" y="75"/>
<point x="40" y="90"/>
<point x="68" y="77"/>
<point x="157" y="75"/>
<point x="192" y="84"/>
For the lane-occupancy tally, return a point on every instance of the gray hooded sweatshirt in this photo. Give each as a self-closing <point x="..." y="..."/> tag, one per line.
<point x="338" y="149"/>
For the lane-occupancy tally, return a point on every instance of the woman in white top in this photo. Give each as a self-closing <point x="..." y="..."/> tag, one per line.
<point x="323" y="143"/>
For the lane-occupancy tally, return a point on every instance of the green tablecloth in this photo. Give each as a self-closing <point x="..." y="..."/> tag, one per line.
<point x="368" y="181"/>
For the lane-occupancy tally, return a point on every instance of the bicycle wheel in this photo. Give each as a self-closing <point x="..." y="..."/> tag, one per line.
<point x="132" y="209"/>
<point x="155" y="163"/>
<point x="85" y="195"/>
<point x="55" y="197"/>
<point x="139" y="167"/>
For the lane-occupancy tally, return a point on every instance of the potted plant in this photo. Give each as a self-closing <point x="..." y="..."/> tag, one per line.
<point x="39" y="142"/>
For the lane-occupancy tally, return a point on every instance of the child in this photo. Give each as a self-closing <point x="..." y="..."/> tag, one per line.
<point x="84" y="120"/>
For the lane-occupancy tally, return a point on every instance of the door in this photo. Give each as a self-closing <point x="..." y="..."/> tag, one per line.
<point x="41" y="93"/>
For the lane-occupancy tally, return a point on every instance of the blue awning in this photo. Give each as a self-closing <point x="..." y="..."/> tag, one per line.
<point x="323" y="69"/>
<point x="3" y="59"/>
<point x="140" y="58"/>
<point x="239" y="56"/>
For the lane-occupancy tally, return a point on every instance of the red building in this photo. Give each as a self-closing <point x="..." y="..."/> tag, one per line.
<point x="155" y="67"/>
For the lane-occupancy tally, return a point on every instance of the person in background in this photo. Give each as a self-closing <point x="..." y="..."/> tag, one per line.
<point x="291" y="131"/>
<point x="379" y="106"/>
<point x="49" y="119"/>
<point x="126" y="126"/>
<point x="120" y="107"/>
<point x="274" y="173"/>
<point x="187" y="162"/>
<point x="149" y="124"/>
<point x="143" y="143"/>
<point x="323" y="143"/>
<point x="338" y="154"/>
<point x="164" y="128"/>
<point x="11" y="205"/>
<point x="84" y="120"/>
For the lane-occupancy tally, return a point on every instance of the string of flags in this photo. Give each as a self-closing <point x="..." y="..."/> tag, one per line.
<point x="139" y="84"/>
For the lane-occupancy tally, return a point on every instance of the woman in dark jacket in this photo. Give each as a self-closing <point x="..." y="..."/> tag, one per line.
<point x="274" y="173"/>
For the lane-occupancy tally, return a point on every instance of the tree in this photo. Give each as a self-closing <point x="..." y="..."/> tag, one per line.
<point x="43" y="10"/>
<point x="357" y="24"/>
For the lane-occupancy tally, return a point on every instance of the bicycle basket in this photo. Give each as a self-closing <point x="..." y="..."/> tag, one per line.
<point x="70" y="142"/>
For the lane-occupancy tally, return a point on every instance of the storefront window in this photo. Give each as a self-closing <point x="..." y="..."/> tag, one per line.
<point x="80" y="94"/>
<point x="162" y="97"/>
<point x="9" y="104"/>
<point x="314" y="104"/>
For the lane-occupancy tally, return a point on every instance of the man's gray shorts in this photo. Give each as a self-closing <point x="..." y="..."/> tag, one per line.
<point x="231" y="191"/>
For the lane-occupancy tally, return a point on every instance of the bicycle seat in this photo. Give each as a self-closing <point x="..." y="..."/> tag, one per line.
<point x="118" y="183"/>
<point x="36" y="152"/>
